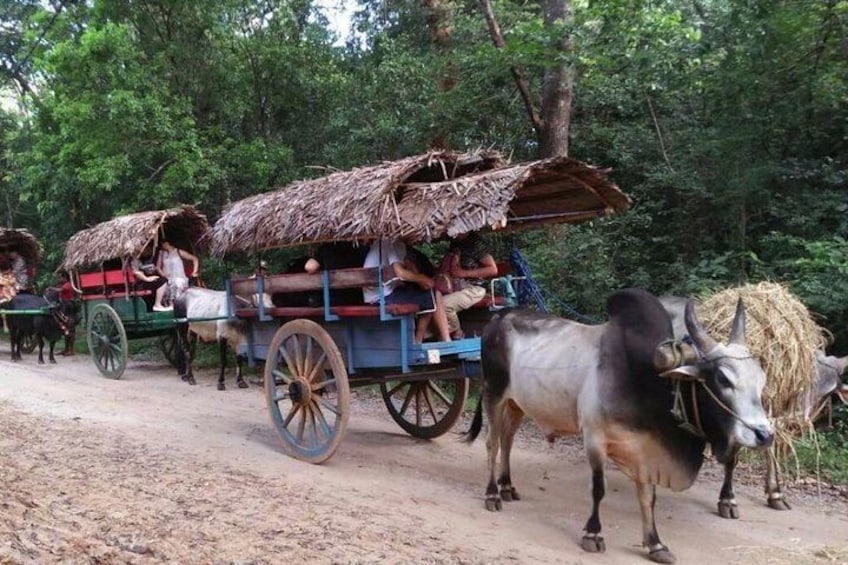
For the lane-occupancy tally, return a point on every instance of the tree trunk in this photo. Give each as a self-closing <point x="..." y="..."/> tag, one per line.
<point x="553" y="120"/>
<point x="557" y="87"/>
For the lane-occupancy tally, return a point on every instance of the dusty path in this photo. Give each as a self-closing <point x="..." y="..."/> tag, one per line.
<point x="150" y="470"/>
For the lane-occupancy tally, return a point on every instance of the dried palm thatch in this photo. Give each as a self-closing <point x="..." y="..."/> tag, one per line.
<point x="419" y="198"/>
<point x="781" y="333"/>
<point x="131" y="234"/>
<point x="21" y="241"/>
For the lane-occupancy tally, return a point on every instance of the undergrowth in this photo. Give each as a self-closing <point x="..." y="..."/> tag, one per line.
<point x="826" y="453"/>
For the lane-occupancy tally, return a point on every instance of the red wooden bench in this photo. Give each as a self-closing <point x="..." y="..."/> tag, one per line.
<point x="109" y="284"/>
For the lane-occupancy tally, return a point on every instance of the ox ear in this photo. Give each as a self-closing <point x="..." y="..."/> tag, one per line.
<point x="737" y="334"/>
<point x="702" y="339"/>
<point x="673" y="354"/>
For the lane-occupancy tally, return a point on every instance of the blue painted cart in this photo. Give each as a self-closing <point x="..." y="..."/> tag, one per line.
<point x="114" y="307"/>
<point x="315" y="354"/>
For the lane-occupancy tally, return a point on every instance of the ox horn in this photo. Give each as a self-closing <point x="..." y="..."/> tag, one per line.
<point x="737" y="334"/>
<point x="702" y="339"/>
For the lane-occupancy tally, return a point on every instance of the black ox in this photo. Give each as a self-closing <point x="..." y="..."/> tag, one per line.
<point x="625" y="390"/>
<point x="58" y="320"/>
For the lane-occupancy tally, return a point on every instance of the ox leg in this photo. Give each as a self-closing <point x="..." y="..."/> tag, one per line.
<point x="184" y="359"/>
<point x="727" y="507"/>
<point x="40" y="349"/>
<point x="239" y="375"/>
<point x="647" y="495"/>
<point x="51" y="358"/>
<point x="494" y="411"/>
<point x="222" y="353"/>
<point x="513" y="415"/>
<point x="15" y="342"/>
<point x="774" y="496"/>
<point x="593" y="542"/>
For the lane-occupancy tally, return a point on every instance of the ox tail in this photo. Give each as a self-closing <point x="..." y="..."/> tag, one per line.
<point x="476" y="424"/>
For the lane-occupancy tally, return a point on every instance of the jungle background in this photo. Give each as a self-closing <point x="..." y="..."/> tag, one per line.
<point x="726" y="121"/>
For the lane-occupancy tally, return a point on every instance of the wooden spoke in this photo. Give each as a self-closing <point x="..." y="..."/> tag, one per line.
<point x="434" y="386"/>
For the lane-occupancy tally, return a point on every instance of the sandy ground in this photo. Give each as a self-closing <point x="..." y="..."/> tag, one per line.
<point x="150" y="470"/>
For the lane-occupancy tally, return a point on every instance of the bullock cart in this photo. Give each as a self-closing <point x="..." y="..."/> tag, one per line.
<point x="27" y="246"/>
<point x="117" y="307"/>
<point x="315" y="353"/>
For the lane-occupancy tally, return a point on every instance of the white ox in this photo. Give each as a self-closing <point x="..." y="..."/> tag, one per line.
<point x="612" y="383"/>
<point x="207" y="314"/>
<point x="826" y="381"/>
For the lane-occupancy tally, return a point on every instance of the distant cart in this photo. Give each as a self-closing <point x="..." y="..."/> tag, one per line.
<point x="26" y="244"/>
<point x="115" y="307"/>
<point x="315" y="354"/>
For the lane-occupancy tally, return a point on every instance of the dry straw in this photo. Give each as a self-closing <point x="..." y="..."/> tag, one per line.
<point x="781" y="333"/>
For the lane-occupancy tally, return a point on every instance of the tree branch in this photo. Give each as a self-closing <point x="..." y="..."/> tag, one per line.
<point x="659" y="132"/>
<point x="499" y="43"/>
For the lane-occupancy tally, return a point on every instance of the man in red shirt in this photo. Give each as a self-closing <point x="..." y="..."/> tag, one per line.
<point x="67" y="295"/>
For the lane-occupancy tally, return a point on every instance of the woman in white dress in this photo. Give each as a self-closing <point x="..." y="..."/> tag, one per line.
<point x="170" y="265"/>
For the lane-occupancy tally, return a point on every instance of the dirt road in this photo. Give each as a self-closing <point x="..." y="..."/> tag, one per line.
<point x="150" y="470"/>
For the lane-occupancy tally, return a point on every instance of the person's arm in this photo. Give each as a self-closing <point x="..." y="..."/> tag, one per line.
<point x="487" y="269"/>
<point x="404" y="273"/>
<point x="194" y="260"/>
<point x="159" y="261"/>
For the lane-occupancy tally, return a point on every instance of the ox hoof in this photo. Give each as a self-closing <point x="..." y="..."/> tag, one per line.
<point x="778" y="504"/>
<point x="52" y="361"/>
<point x="189" y="379"/>
<point x="242" y="384"/>
<point x="222" y="386"/>
<point x="508" y="494"/>
<point x="662" y="555"/>
<point x="493" y="504"/>
<point x="728" y="509"/>
<point x="593" y="543"/>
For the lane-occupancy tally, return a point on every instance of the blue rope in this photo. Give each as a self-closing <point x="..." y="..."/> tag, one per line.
<point x="529" y="291"/>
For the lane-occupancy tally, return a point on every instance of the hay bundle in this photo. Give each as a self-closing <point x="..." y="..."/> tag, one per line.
<point x="781" y="333"/>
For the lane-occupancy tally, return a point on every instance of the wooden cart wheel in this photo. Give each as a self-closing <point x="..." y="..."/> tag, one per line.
<point x="425" y="408"/>
<point x="28" y="344"/>
<point x="107" y="341"/>
<point x="307" y="390"/>
<point x="168" y="346"/>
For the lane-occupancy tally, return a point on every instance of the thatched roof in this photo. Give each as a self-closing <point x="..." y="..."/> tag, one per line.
<point x="21" y="241"/>
<point x="419" y="198"/>
<point x="129" y="235"/>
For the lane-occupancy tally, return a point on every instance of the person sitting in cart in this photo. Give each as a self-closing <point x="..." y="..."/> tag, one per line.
<point x="147" y="279"/>
<point x="468" y="263"/>
<point x="8" y="283"/>
<point x="170" y="265"/>
<point x="409" y="287"/>
<point x="19" y="270"/>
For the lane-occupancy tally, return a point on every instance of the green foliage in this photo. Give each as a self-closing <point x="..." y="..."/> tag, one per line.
<point x="723" y="120"/>
<point x="824" y="453"/>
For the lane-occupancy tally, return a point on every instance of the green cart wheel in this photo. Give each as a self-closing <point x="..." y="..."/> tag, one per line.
<point x="307" y="390"/>
<point x="425" y="408"/>
<point x="107" y="341"/>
